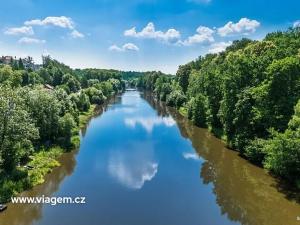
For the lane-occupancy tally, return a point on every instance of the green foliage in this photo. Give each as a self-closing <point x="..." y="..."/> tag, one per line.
<point x="17" y="130"/>
<point x="106" y="88"/>
<point x="283" y="150"/>
<point x="197" y="110"/>
<point x="85" y="116"/>
<point x="44" y="109"/>
<point x="241" y="94"/>
<point x="283" y="90"/>
<point x="66" y="126"/>
<point x="43" y="162"/>
<point x="34" y="116"/>
<point x="95" y="95"/>
<point x="254" y="151"/>
<point x="12" y="184"/>
<point x="176" y="98"/>
<point x="163" y="87"/>
<point x="83" y="102"/>
<point x="182" y="75"/>
<point x="70" y="83"/>
<point x="283" y="155"/>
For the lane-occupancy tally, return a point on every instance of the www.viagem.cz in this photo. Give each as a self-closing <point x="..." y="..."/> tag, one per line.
<point x="48" y="200"/>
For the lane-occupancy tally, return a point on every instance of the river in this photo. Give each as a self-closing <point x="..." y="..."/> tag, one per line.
<point x="141" y="163"/>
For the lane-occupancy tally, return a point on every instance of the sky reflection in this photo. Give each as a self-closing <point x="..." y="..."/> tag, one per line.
<point x="148" y="123"/>
<point x="134" y="166"/>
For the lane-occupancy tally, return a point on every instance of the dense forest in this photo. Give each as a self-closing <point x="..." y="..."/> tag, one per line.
<point x="41" y="112"/>
<point x="248" y="95"/>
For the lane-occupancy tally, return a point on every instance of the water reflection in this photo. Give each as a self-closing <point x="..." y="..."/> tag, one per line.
<point x="191" y="155"/>
<point x="149" y="122"/>
<point x="156" y="168"/>
<point x="133" y="165"/>
<point x="244" y="192"/>
<point x="26" y="214"/>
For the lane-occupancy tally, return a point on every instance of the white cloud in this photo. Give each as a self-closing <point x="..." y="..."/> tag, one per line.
<point x="76" y="34"/>
<point x="26" y="40"/>
<point x="115" y="48"/>
<point x="204" y="34"/>
<point x="25" y="30"/>
<point x="59" y="21"/>
<point x="149" y="32"/>
<point x="130" y="46"/>
<point x="125" y="47"/>
<point x="296" y="24"/>
<point x="219" y="47"/>
<point x="244" y="26"/>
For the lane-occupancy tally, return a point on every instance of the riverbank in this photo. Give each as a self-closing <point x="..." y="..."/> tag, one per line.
<point x="41" y="163"/>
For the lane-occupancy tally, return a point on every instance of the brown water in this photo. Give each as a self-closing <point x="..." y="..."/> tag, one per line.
<point x="142" y="163"/>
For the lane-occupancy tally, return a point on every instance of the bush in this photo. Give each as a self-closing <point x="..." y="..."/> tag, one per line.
<point x="66" y="126"/>
<point x="197" y="110"/>
<point x="255" y="151"/>
<point x="43" y="163"/>
<point x="176" y="99"/>
<point x="283" y="155"/>
<point x="83" y="103"/>
<point x="97" y="100"/>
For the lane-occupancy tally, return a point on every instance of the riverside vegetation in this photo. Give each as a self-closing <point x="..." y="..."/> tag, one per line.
<point x="248" y="95"/>
<point x="41" y="113"/>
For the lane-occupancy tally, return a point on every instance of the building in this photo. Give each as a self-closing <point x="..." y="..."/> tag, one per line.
<point x="6" y="59"/>
<point x="27" y="62"/>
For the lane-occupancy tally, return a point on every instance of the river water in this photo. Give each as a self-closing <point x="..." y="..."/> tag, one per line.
<point x="141" y="163"/>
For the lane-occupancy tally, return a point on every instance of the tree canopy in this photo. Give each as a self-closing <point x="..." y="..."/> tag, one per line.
<point x="246" y="95"/>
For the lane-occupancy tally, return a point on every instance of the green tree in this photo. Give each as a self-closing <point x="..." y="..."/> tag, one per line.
<point x="283" y="150"/>
<point x="197" y="110"/>
<point x="45" y="110"/>
<point x="66" y="126"/>
<point x="17" y="130"/>
<point x="182" y="75"/>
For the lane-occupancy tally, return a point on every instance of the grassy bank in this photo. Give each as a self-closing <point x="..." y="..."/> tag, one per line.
<point x="40" y="164"/>
<point x="86" y="116"/>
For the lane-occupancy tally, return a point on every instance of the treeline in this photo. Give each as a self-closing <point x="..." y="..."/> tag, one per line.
<point x="39" y="111"/>
<point x="248" y="95"/>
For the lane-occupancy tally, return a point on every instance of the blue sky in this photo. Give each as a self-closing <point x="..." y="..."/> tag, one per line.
<point x="135" y="34"/>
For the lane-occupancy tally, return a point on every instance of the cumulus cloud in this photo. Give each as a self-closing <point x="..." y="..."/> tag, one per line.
<point x="59" y="21"/>
<point x="25" y="30"/>
<point x="204" y="34"/>
<point x="219" y="47"/>
<point x="76" y="34"/>
<point x="125" y="47"/>
<point x="150" y="32"/>
<point x="26" y="40"/>
<point x="296" y="24"/>
<point x="244" y="26"/>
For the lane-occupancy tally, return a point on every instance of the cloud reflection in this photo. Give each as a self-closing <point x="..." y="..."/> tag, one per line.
<point x="149" y="122"/>
<point x="191" y="155"/>
<point x="133" y="167"/>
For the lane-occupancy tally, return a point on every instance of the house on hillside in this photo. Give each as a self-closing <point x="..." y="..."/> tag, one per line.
<point x="6" y="59"/>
